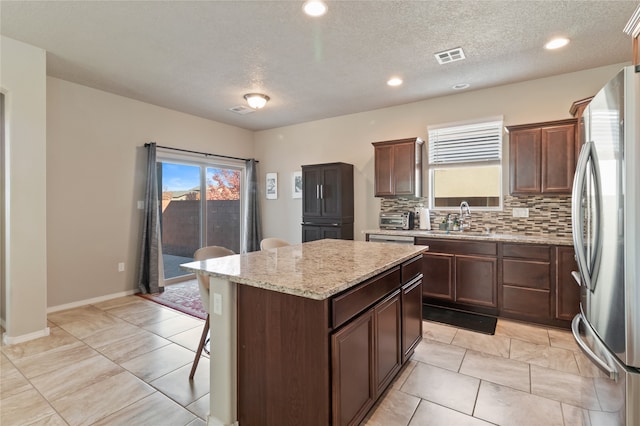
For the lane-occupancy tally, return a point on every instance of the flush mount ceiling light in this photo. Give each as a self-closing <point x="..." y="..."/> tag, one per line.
<point x="256" y="100"/>
<point x="556" y="43"/>
<point x="314" y="7"/>
<point x="394" y="81"/>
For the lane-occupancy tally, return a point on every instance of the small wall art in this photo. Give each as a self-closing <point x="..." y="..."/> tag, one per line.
<point x="272" y="186"/>
<point x="296" y="185"/>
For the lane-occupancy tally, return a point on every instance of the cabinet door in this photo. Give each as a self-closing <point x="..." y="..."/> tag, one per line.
<point x="311" y="201"/>
<point x="558" y="158"/>
<point x="383" y="160"/>
<point x="437" y="271"/>
<point x="476" y="279"/>
<point x="404" y="168"/>
<point x="567" y="290"/>
<point x="524" y="164"/>
<point x="330" y="192"/>
<point x="311" y="233"/>
<point x="352" y="374"/>
<point x="411" y="316"/>
<point x="387" y="353"/>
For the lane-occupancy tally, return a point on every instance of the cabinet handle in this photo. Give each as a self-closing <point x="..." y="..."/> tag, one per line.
<point x="321" y="192"/>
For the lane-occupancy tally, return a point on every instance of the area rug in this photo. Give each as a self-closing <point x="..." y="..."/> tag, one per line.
<point x="183" y="297"/>
<point x="468" y="321"/>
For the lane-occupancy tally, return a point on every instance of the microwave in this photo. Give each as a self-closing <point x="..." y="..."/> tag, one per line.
<point x="396" y="220"/>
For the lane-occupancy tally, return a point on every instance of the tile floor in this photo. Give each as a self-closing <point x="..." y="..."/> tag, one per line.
<point x="126" y="361"/>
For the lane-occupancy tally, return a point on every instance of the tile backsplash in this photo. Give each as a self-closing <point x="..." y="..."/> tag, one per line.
<point x="547" y="215"/>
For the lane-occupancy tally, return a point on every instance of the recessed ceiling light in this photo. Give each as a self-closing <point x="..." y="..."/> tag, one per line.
<point x="395" y="81"/>
<point x="314" y="7"/>
<point x="556" y="43"/>
<point x="460" y="86"/>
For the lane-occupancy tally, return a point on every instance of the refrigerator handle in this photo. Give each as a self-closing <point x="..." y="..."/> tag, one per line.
<point x="576" y="212"/>
<point x="575" y="329"/>
<point x="576" y="277"/>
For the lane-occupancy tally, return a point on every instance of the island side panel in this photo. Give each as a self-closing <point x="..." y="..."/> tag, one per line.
<point x="283" y="345"/>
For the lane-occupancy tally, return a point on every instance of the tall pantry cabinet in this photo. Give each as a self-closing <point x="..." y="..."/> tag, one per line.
<point x="327" y="201"/>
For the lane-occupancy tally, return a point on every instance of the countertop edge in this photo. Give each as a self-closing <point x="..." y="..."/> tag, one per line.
<point x="508" y="238"/>
<point x="306" y="294"/>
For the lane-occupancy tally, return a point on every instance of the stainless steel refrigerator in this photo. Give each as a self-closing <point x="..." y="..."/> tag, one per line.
<point x="606" y="236"/>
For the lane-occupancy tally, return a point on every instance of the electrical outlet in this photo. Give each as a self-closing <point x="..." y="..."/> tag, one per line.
<point x="121" y="267"/>
<point x="520" y="212"/>
<point x="140" y="205"/>
<point x="217" y="303"/>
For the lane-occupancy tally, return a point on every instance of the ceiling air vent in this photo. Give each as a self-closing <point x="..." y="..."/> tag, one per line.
<point x="241" y="109"/>
<point x="450" y="55"/>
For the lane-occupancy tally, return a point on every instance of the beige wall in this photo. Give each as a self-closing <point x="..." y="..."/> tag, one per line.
<point x="348" y="138"/>
<point x="23" y="81"/>
<point x="95" y="176"/>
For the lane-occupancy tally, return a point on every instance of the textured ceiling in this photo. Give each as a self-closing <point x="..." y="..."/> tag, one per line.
<point x="201" y="57"/>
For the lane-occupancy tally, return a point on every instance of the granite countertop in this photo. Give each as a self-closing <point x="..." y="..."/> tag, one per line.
<point x="479" y="236"/>
<point x="315" y="270"/>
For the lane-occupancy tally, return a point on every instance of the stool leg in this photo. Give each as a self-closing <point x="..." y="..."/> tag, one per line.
<point x="203" y="338"/>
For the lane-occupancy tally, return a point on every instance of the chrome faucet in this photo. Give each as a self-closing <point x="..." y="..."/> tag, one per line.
<point x="465" y="216"/>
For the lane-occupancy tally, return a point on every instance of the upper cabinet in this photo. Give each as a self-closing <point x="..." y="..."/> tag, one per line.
<point x="328" y="192"/>
<point x="398" y="167"/>
<point x="542" y="157"/>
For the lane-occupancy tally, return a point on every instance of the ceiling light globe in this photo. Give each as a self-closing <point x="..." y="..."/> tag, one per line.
<point x="256" y="100"/>
<point x="314" y="7"/>
<point x="557" y="43"/>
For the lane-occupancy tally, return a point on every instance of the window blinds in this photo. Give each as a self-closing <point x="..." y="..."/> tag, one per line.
<point x="466" y="143"/>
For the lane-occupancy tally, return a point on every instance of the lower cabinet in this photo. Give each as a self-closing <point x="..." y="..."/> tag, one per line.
<point x="411" y="316"/>
<point x="330" y="359"/>
<point x="320" y="232"/>
<point x="460" y="272"/>
<point x="528" y="282"/>
<point x="366" y="357"/>
<point x="567" y="289"/>
<point x="353" y="360"/>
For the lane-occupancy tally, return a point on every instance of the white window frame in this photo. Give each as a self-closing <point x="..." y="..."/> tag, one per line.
<point x="434" y="164"/>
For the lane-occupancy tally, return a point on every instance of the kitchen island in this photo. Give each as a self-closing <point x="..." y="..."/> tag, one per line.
<point x="310" y="333"/>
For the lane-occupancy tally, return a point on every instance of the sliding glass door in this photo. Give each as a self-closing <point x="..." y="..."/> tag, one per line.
<point x="201" y="205"/>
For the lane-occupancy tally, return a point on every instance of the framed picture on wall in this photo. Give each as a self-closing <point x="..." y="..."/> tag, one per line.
<point x="296" y="185"/>
<point x="272" y="186"/>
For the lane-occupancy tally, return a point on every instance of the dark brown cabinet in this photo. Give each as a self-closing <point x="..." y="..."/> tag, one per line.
<point x="567" y="289"/>
<point x="411" y="317"/>
<point x="526" y="281"/>
<point x="341" y="355"/>
<point x="542" y="157"/>
<point x="319" y="232"/>
<point x="353" y="357"/>
<point x="397" y="167"/>
<point x="327" y="201"/>
<point x="460" y="272"/>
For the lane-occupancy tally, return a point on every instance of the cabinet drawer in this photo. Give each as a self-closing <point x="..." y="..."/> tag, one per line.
<point x="532" y="302"/>
<point x="527" y="251"/>
<point x="349" y="304"/>
<point x="459" y="247"/>
<point x="411" y="269"/>
<point x="526" y="274"/>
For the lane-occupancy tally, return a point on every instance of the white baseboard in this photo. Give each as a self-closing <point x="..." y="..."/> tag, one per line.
<point x="89" y="301"/>
<point x="12" y="340"/>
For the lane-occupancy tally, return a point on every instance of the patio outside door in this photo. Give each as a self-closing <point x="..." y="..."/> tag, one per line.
<point x="189" y="219"/>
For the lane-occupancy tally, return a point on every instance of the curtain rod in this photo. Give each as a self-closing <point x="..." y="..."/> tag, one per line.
<point x="206" y="154"/>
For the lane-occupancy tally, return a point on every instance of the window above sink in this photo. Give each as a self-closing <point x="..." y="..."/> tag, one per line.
<point x="465" y="164"/>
